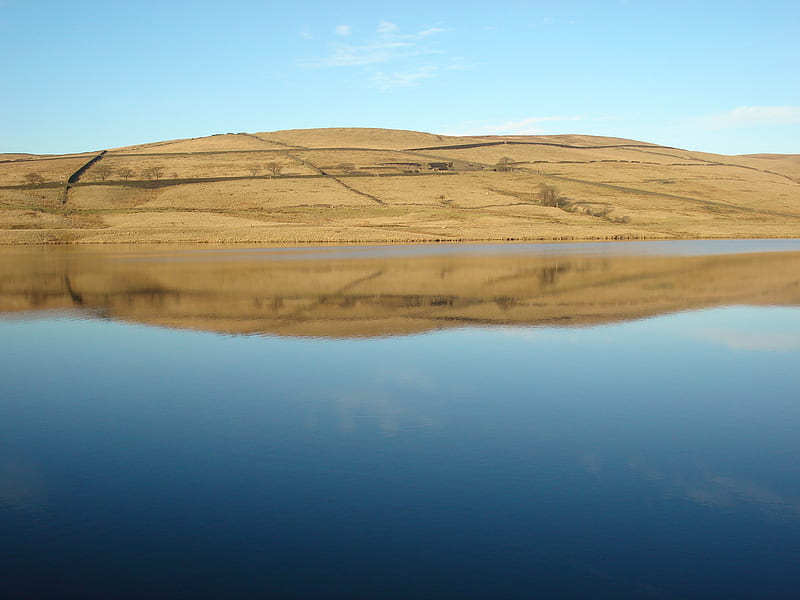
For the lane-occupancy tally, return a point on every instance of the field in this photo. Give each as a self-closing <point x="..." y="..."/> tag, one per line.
<point x="386" y="186"/>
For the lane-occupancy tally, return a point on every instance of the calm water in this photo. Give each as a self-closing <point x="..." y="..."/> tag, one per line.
<point x="527" y="422"/>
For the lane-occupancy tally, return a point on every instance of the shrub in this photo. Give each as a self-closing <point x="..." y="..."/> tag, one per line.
<point x="549" y="195"/>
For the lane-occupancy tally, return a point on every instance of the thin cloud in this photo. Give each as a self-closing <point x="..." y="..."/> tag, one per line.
<point x="400" y="79"/>
<point x="354" y="56"/>
<point x="343" y="30"/>
<point x="749" y="116"/>
<point x="430" y="31"/>
<point x="388" y="45"/>
<point x="386" y="27"/>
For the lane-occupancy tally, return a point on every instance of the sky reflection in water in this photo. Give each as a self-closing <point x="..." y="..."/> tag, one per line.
<point x="653" y="458"/>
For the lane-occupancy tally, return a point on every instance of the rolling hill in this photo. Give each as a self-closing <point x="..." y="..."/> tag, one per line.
<point x="385" y="186"/>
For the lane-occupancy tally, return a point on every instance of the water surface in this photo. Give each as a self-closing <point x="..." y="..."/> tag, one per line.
<point x="382" y="424"/>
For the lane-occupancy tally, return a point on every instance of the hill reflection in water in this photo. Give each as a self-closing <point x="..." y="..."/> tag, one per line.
<point x="258" y="292"/>
<point x="648" y="459"/>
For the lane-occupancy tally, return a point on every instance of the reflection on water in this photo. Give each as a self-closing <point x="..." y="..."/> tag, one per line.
<point x="655" y="456"/>
<point x="715" y="490"/>
<point x="360" y="296"/>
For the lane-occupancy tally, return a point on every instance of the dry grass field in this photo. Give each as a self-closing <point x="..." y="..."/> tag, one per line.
<point x="383" y="186"/>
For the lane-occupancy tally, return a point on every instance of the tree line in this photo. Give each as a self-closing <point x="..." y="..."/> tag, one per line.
<point x="103" y="172"/>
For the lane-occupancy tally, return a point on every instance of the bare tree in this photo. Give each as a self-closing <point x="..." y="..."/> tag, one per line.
<point x="346" y="167"/>
<point x="274" y="168"/>
<point x="153" y="173"/>
<point x="125" y="172"/>
<point x="34" y="178"/>
<point x="504" y="164"/>
<point x="254" y="169"/>
<point x="103" y="171"/>
<point x="549" y="195"/>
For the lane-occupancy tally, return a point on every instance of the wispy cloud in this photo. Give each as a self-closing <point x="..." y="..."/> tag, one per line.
<point x="386" y="27"/>
<point x="397" y="79"/>
<point x="387" y="46"/>
<point x="749" y="116"/>
<point x="354" y="56"/>
<point x="430" y="31"/>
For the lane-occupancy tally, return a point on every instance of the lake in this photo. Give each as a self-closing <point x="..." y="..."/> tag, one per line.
<point x="617" y="420"/>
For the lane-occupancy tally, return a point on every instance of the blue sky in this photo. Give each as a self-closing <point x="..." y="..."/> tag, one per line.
<point x="713" y="76"/>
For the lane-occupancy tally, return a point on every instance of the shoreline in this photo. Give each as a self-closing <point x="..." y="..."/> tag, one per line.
<point x="306" y="243"/>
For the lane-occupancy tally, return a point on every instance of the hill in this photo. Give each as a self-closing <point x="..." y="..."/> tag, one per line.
<point x="376" y="185"/>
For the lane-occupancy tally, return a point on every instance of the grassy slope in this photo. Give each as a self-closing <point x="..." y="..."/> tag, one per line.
<point x="349" y="185"/>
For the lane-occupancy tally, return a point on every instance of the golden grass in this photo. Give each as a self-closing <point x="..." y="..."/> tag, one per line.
<point x="51" y="170"/>
<point x="718" y="184"/>
<point x="193" y="166"/>
<point x="466" y="190"/>
<point x="358" y="138"/>
<point x="40" y="199"/>
<point x="260" y="194"/>
<point x="788" y="165"/>
<point x="20" y="219"/>
<point x="532" y="156"/>
<point x="330" y="161"/>
<point x="214" y="143"/>
<point x="644" y="191"/>
<point x="571" y="139"/>
<point x="108" y="197"/>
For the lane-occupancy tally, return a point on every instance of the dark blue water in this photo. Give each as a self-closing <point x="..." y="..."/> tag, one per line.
<point x="656" y="458"/>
